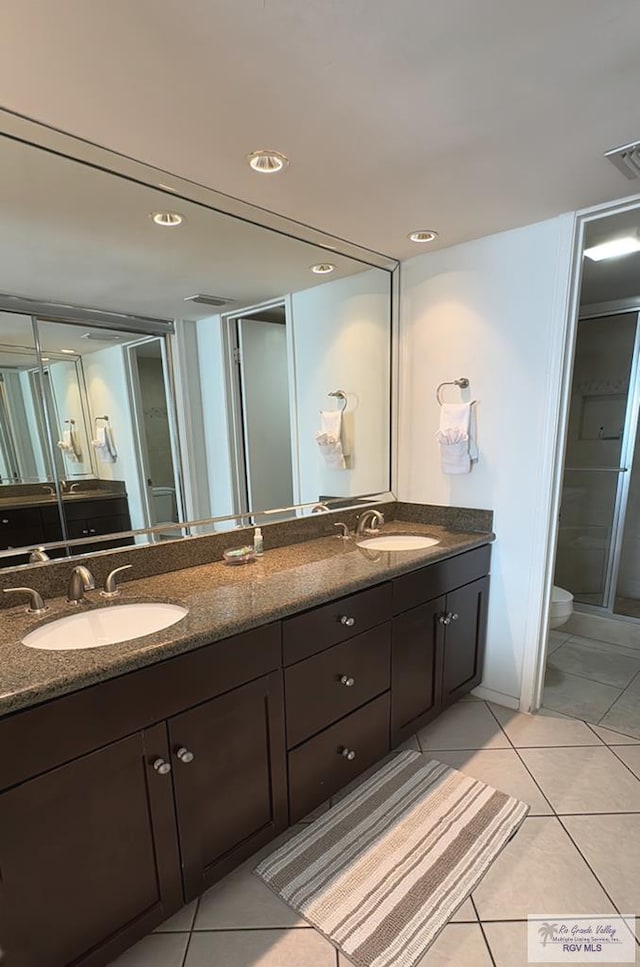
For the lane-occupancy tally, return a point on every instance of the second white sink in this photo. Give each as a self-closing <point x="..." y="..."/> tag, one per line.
<point x="104" y="626"/>
<point x="398" y="542"/>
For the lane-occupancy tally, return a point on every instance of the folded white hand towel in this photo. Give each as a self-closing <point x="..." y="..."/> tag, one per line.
<point x="456" y="437"/>
<point x="68" y="445"/>
<point x="104" y="445"/>
<point x="328" y="439"/>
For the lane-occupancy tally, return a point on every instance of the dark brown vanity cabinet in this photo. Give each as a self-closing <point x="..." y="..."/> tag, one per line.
<point x="228" y="777"/>
<point x="438" y="639"/>
<point x="88" y="856"/>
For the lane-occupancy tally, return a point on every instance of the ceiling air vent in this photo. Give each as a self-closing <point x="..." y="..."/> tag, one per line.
<point x="209" y="300"/>
<point x="626" y="159"/>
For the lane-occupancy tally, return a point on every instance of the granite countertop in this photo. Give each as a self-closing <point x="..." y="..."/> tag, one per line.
<point x="222" y="600"/>
<point x="44" y="500"/>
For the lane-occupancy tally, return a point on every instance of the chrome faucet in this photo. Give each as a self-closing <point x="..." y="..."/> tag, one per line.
<point x="36" y="604"/>
<point x="38" y="555"/>
<point x="320" y="509"/>
<point x="344" y="536"/>
<point x="81" y="580"/>
<point x="110" y="589"/>
<point x="366" y="519"/>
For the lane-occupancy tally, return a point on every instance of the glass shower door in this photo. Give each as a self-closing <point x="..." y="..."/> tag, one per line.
<point x="600" y="441"/>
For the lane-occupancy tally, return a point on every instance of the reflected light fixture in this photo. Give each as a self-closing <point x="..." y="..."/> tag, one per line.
<point x="69" y="352"/>
<point x="267" y="162"/>
<point x="322" y="268"/>
<point x="167" y="219"/>
<point x="423" y="235"/>
<point x="613" y="249"/>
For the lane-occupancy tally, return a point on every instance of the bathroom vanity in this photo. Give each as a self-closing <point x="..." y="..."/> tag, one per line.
<point x="122" y="800"/>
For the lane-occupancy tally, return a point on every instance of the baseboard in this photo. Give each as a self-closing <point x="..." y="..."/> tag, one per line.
<point x="498" y="698"/>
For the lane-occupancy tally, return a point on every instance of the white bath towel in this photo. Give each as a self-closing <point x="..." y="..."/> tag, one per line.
<point x="104" y="445"/>
<point x="68" y="446"/>
<point x="329" y="439"/>
<point x="456" y="437"/>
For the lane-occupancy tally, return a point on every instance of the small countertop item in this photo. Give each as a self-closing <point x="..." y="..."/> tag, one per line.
<point x="239" y="555"/>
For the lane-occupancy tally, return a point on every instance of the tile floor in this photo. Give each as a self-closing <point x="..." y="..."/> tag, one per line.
<point x="577" y="852"/>
<point x="592" y="679"/>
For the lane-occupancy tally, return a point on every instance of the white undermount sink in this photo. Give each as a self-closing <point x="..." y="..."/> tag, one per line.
<point x="398" y="542"/>
<point x="104" y="626"/>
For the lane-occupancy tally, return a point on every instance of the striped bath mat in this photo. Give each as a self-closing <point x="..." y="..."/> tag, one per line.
<point x="382" y="872"/>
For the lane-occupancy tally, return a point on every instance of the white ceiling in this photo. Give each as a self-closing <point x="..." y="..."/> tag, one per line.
<point x="465" y="116"/>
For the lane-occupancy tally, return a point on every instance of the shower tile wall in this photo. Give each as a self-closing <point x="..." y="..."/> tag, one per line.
<point x="599" y="391"/>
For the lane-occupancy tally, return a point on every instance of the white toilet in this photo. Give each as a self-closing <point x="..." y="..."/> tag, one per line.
<point x="561" y="607"/>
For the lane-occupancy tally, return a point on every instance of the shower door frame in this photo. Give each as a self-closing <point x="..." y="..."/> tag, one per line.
<point x="625" y="464"/>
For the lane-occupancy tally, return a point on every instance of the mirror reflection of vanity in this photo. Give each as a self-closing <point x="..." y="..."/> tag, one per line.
<point x="192" y="386"/>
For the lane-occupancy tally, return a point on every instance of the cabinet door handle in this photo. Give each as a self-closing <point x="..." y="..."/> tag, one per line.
<point x="347" y="621"/>
<point x="347" y="680"/>
<point x="85" y="531"/>
<point x="444" y="619"/>
<point x="162" y="767"/>
<point x="347" y="753"/>
<point x="453" y="616"/>
<point x="92" y="530"/>
<point x="185" y="755"/>
<point x="4" y="520"/>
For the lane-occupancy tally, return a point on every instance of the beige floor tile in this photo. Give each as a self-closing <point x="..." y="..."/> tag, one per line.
<point x="615" y="738"/>
<point x="576" y="696"/>
<point x="465" y="914"/>
<point x="502" y="769"/>
<point x="180" y="921"/>
<point x="624" y="715"/>
<point x="411" y="744"/>
<point x="242" y="899"/>
<point x="156" y="950"/>
<point x="625" y="633"/>
<point x="540" y="869"/>
<point x="508" y="942"/>
<point x="611" y="845"/>
<point x="598" y="661"/>
<point x="630" y="755"/>
<point x="466" y="725"/>
<point x="547" y="728"/>
<point x="260" y="948"/>
<point x="583" y="780"/>
<point x="459" y="945"/>
<point x="555" y="639"/>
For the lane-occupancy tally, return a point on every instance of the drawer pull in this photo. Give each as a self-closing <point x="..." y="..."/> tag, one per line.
<point x="185" y="755"/>
<point x="444" y="619"/>
<point x="348" y="753"/>
<point x="347" y="680"/>
<point x="162" y="767"/>
<point x="4" y="520"/>
<point x="347" y="621"/>
<point x="453" y="616"/>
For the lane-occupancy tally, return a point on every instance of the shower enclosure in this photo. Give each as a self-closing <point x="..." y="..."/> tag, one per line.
<point x="598" y="556"/>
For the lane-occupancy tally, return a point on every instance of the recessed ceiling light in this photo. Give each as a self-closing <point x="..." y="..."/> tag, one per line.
<point x="69" y="352"/>
<point x="322" y="268"/>
<point x="267" y="162"/>
<point x="167" y="219"/>
<point x="614" y="248"/>
<point x="423" y="235"/>
<point x="45" y="359"/>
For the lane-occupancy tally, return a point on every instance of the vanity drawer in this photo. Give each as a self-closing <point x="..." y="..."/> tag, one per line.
<point x="429" y="582"/>
<point x="308" y="633"/>
<point x="20" y="519"/>
<point x="318" y="768"/>
<point x="326" y="687"/>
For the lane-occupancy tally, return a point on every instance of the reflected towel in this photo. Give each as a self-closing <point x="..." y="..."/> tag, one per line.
<point x="329" y="440"/>
<point x="104" y="445"/>
<point x="68" y="446"/>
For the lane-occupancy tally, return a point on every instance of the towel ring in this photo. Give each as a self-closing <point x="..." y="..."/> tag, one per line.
<point x="342" y="397"/>
<point x="461" y="383"/>
<point x="99" y="419"/>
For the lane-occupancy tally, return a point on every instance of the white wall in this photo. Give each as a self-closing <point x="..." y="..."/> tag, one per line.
<point x="68" y="401"/>
<point x="493" y="310"/>
<point x="341" y="338"/>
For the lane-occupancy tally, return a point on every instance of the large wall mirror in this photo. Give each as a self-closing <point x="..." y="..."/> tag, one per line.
<point x="163" y="362"/>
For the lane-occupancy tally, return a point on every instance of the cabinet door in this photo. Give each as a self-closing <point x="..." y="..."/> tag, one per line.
<point x="88" y="856"/>
<point x="416" y="669"/>
<point x="229" y="777"/>
<point x="465" y="639"/>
